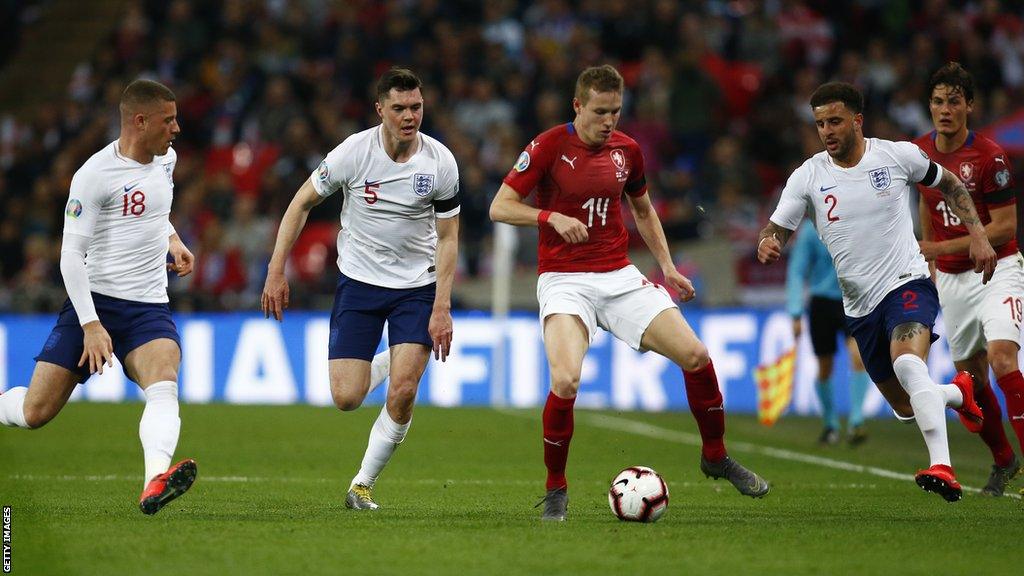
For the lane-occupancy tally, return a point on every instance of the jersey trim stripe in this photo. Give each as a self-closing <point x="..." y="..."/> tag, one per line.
<point x="449" y="204"/>
<point x="932" y="176"/>
<point x="1000" y="196"/>
<point x="635" y="186"/>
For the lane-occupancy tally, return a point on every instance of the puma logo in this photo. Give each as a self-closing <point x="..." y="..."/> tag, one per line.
<point x="717" y="409"/>
<point x="1020" y="417"/>
<point x="559" y="443"/>
<point x="570" y="162"/>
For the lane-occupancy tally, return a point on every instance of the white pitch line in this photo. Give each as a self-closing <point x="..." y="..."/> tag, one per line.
<point x="657" y="432"/>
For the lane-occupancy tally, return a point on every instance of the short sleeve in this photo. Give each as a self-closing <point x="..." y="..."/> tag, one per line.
<point x="997" y="181"/>
<point x="636" y="185"/>
<point x="331" y="174"/>
<point x="447" y="199"/>
<point x="85" y="202"/>
<point x="533" y="163"/>
<point x="793" y="203"/>
<point x="918" y="165"/>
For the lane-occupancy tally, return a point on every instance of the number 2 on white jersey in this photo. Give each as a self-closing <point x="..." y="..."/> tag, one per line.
<point x="598" y="205"/>
<point x="949" y="218"/>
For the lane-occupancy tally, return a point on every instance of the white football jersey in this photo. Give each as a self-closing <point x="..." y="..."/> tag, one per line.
<point x="388" y="236"/>
<point x="863" y="216"/>
<point x="122" y="206"/>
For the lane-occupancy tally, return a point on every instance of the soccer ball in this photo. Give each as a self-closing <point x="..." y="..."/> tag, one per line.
<point x="638" y="494"/>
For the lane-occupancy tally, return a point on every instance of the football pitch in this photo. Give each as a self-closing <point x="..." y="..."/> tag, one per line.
<point x="458" y="498"/>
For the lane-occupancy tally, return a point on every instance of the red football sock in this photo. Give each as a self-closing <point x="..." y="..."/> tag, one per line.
<point x="992" y="431"/>
<point x="705" y="401"/>
<point x="557" y="434"/>
<point x="1012" y="385"/>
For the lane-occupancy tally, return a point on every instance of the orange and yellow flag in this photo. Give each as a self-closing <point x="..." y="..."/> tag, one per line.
<point x="775" y="387"/>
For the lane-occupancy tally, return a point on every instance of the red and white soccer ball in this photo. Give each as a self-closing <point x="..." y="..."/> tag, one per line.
<point x="638" y="494"/>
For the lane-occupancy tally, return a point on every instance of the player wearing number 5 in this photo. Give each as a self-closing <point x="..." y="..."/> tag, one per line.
<point x="580" y="171"/>
<point x="396" y="253"/>
<point x="983" y="320"/>
<point x="114" y="262"/>
<point x="857" y="193"/>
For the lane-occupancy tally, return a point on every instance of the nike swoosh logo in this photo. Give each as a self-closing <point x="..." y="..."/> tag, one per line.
<point x="559" y="443"/>
<point x="129" y="188"/>
<point x="823" y="189"/>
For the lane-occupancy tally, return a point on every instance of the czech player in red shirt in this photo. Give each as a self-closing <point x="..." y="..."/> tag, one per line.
<point x="580" y="171"/>
<point x="983" y="320"/>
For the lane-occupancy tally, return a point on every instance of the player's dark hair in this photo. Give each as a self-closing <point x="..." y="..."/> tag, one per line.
<point x="401" y="79"/>
<point x="838" y="92"/>
<point x="144" y="92"/>
<point x="956" y="77"/>
<point x="600" y="79"/>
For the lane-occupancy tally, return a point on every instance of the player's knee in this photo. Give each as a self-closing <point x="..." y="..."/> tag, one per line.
<point x="696" y="358"/>
<point x="402" y="391"/>
<point x="38" y="416"/>
<point x="346" y="400"/>
<point x="1003" y="363"/>
<point x="564" y="383"/>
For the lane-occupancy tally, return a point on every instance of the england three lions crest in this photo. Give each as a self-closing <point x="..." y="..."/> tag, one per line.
<point x="880" y="178"/>
<point x="423" y="184"/>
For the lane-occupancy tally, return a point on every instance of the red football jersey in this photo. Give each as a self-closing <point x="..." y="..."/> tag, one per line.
<point x="984" y="169"/>
<point x="585" y="183"/>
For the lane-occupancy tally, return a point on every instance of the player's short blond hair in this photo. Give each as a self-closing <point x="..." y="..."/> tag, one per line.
<point x="143" y="93"/>
<point x="600" y="79"/>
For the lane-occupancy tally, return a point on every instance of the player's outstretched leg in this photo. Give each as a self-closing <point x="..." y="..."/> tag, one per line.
<point x="706" y="404"/>
<point x="167" y="486"/>
<point x="385" y="436"/>
<point x="558" y="428"/>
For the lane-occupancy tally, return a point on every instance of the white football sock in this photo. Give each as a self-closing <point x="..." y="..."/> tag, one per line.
<point x="12" y="407"/>
<point x="385" y="436"/>
<point x="380" y="368"/>
<point x="159" y="427"/>
<point x="929" y="404"/>
<point x="951" y="395"/>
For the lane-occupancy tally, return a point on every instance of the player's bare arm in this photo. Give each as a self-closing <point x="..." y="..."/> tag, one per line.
<point x="440" y="326"/>
<point x="999" y="230"/>
<point x="959" y="200"/>
<point x="183" y="258"/>
<point x="649" y="226"/>
<point x="508" y="207"/>
<point x="770" y="241"/>
<point x="275" y="290"/>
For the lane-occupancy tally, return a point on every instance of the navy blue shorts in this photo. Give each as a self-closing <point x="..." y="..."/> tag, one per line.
<point x="360" y="309"/>
<point x="915" y="301"/>
<point x="130" y="325"/>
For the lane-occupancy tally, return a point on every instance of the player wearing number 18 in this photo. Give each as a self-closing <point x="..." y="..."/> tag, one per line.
<point x="983" y="320"/>
<point x="856" y="190"/>
<point x="580" y="171"/>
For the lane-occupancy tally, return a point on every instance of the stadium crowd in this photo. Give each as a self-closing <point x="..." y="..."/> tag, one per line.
<point x="716" y="96"/>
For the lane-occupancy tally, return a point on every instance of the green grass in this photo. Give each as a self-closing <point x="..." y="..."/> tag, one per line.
<point x="458" y="499"/>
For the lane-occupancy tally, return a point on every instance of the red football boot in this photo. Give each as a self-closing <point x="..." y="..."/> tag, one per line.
<point x="940" y="479"/>
<point x="168" y="486"/>
<point x="969" y="412"/>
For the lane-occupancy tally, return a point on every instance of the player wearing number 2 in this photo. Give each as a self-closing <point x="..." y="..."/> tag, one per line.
<point x="857" y="192"/>
<point x="580" y="171"/>
<point x="114" y="262"/>
<point x="983" y="321"/>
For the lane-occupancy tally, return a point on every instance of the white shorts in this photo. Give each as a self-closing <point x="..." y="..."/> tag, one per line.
<point x="976" y="313"/>
<point x="622" y="301"/>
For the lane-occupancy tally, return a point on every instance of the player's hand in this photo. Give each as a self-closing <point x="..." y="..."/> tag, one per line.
<point x="769" y="249"/>
<point x="275" y="295"/>
<point x="930" y="250"/>
<point x="183" y="258"/>
<point x="798" y="328"/>
<point x="984" y="258"/>
<point x="680" y="284"/>
<point x="570" y="229"/>
<point x="98" y="349"/>
<point x="440" y="330"/>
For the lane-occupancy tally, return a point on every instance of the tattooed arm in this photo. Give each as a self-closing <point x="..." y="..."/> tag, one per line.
<point x="958" y="199"/>
<point x="770" y="242"/>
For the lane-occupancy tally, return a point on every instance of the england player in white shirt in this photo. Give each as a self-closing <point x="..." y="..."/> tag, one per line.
<point x="857" y="193"/>
<point x="114" y="262"/>
<point x="396" y="252"/>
